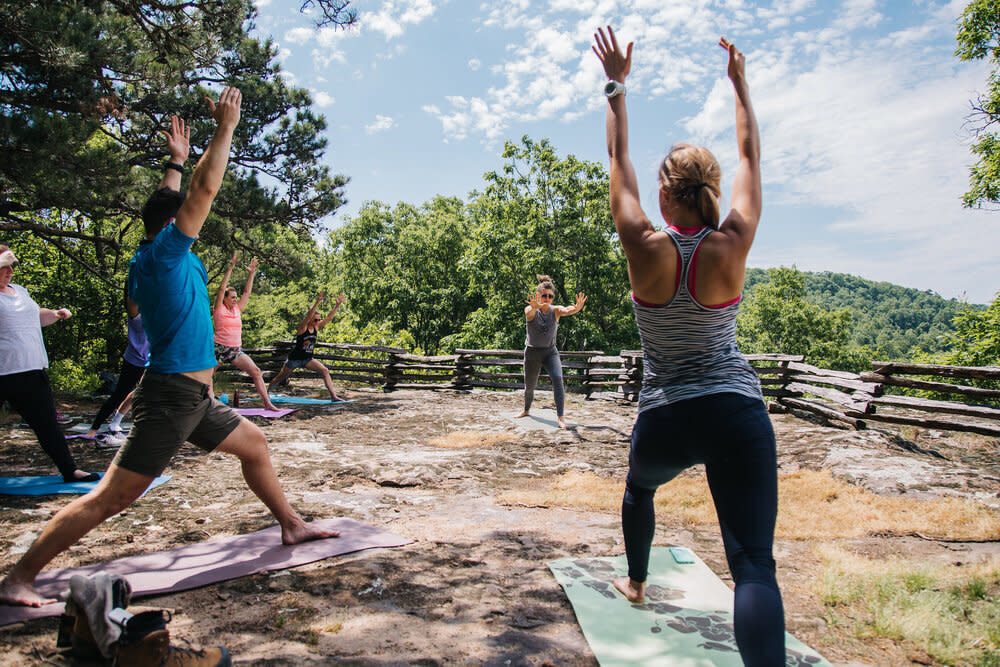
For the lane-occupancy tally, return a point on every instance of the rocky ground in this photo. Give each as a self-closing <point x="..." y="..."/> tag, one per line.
<point x="473" y="586"/>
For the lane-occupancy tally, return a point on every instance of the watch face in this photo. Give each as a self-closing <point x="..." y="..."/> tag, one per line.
<point x="610" y="88"/>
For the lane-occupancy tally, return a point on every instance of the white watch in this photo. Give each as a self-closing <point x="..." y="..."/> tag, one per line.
<point x="614" y="88"/>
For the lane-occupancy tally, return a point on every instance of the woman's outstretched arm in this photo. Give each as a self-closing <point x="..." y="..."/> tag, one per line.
<point x="248" y="287"/>
<point x="336" y="306"/>
<point x="224" y="284"/>
<point x="634" y="228"/>
<point x="581" y="299"/>
<point x="741" y="223"/>
<point x="310" y="314"/>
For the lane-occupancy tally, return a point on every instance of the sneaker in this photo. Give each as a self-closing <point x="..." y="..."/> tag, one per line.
<point x="145" y="640"/>
<point x="110" y="440"/>
<point x="63" y="418"/>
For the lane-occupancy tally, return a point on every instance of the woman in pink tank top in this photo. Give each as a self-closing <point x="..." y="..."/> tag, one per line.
<point x="227" y="317"/>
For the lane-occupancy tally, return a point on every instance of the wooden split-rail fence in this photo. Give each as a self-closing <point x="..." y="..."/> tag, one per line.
<point x="923" y="395"/>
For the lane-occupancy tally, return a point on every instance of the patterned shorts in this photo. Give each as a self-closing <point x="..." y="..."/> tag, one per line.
<point x="225" y="354"/>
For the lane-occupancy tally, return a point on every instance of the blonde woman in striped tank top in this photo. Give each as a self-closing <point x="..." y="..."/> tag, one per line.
<point x="700" y="401"/>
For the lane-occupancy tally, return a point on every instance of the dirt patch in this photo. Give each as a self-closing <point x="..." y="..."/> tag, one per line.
<point x="473" y="587"/>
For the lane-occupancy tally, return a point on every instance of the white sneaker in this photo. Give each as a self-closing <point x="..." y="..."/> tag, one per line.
<point x="110" y="440"/>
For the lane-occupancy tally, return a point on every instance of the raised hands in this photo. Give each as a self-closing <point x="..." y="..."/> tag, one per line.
<point x="737" y="63"/>
<point x="253" y="265"/>
<point x="581" y="299"/>
<point x="178" y="140"/>
<point x="340" y="299"/>
<point x="534" y="301"/>
<point x="227" y="112"/>
<point x="616" y="64"/>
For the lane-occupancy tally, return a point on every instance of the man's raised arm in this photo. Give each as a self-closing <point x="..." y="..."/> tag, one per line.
<point x="207" y="177"/>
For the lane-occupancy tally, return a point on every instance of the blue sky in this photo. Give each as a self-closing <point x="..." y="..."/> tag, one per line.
<point x="861" y="105"/>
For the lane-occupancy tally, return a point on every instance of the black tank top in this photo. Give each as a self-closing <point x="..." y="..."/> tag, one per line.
<point x="304" y="344"/>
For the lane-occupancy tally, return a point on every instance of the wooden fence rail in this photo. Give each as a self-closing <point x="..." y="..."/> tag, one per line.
<point x="787" y="381"/>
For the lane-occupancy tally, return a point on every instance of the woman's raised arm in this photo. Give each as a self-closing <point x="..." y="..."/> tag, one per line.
<point x="224" y="284"/>
<point x="248" y="287"/>
<point x="741" y="223"/>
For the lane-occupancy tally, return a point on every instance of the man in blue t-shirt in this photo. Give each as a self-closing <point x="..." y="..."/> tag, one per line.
<point x="174" y="402"/>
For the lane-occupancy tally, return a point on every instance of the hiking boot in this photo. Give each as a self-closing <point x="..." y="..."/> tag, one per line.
<point x="146" y="641"/>
<point x="74" y="632"/>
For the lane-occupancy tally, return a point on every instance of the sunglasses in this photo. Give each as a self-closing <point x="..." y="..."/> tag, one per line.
<point x="547" y="296"/>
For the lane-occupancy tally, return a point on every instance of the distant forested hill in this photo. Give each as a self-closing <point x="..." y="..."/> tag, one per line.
<point x="888" y="319"/>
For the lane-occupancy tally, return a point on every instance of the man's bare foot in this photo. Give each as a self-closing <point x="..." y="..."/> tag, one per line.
<point x="271" y="406"/>
<point x="304" y="532"/>
<point x="524" y="413"/>
<point x="562" y="422"/>
<point x="21" y="595"/>
<point x="634" y="591"/>
<point x="337" y="399"/>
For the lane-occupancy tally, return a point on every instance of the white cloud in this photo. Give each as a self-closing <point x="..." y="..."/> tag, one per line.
<point x="381" y="124"/>
<point x="395" y="16"/>
<point x="475" y="64"/>
<point x="322" y="99"/>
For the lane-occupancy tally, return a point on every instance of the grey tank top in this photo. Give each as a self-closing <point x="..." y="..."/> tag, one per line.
<point x="690" y="350"/>
<point x="542" y="329"/>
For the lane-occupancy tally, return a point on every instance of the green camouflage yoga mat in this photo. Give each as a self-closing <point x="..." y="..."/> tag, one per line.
<point x="686" y="621"/>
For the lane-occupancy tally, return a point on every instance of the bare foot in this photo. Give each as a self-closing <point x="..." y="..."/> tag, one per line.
<point x="524" y="413"/>
<point x="304" y="532"/>
<point x="22" y="595"/>
<point x="634" y="591"/>
<point x="337" y="399"/>
<point x="270" y="406"/>
<point x="562" y="422"/>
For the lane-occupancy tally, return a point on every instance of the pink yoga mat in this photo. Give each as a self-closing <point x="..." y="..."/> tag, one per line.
<point x="208" y="562"/>
<point x="264" y="412"/>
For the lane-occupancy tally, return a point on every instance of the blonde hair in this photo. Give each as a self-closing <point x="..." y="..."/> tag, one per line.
<point x="691" y="175"/>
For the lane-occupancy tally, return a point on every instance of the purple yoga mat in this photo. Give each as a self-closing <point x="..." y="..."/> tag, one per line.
<point x="208" y="562"/>
<point x="264" y="412"/>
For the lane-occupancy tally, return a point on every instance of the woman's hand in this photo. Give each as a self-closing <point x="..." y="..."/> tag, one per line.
<point x="232" y="262"/>
<point x="534" y="301"/>
<point x="581" y="299"/>
<point x="340" y="298"/>
<point x="616" y="65"/>
<point x="737" y="63"/>
<point x="253" y="265"/>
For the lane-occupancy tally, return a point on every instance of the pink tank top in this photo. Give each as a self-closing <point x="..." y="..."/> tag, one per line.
<point x="228" y="326"/>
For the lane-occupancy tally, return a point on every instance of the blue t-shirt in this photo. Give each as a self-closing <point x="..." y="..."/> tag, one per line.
<point x="170" y="285"/>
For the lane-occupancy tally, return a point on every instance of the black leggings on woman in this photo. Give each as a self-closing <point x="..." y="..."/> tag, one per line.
<point x="732" y="435"/>
<point x="30" y="394"/>
<point x="128" y="378"/>
<point x="534" y="359"/>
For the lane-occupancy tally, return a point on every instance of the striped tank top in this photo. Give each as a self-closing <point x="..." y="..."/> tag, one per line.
<point x="690" y="350"/>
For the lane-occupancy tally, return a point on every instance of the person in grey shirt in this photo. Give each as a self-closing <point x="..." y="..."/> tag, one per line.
<point x="542" y="321"/>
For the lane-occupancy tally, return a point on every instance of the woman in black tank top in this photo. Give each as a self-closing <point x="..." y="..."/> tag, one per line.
<point x="301" y="355"/>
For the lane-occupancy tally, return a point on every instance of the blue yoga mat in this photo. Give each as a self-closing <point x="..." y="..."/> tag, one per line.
<point x="52" y="484"/>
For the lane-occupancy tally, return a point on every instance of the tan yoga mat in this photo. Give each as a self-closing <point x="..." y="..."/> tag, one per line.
<point x="209" y="562"/>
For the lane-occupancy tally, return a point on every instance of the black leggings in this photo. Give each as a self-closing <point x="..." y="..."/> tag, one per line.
<point x="534" y="359"/>
<point x="732" y="435"/>
<point x="128" y="378"/>
<point x="30" y="394"/>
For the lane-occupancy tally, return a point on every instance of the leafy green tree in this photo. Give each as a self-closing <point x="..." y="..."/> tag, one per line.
<point x="978" y="38"/>
<point x="88" y="84"/>
<point x="776" y="318"/>
<point x="403" y="266"/>
<point x="542" y="214"/>
<point x="976" y="340"/>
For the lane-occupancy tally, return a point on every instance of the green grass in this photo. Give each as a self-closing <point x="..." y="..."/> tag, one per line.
<point x="950" y="611"/>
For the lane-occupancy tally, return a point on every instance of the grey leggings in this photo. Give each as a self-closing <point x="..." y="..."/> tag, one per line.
<point x="534" y="359"/>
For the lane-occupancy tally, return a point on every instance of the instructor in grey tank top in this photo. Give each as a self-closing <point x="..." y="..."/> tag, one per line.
<point x="542" y="322"/>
